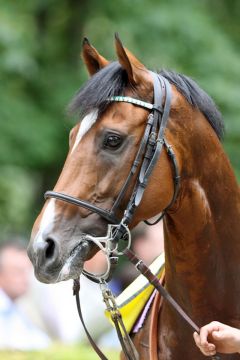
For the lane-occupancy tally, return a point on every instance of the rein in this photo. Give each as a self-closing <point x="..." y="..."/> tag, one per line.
<point x="150" y="148"/>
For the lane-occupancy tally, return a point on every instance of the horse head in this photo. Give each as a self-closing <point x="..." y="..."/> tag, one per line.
<point x="102" y="149"/>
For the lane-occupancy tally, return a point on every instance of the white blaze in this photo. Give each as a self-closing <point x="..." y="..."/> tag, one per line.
<point x="47" y="220"/>
<point x="85" y="125"/>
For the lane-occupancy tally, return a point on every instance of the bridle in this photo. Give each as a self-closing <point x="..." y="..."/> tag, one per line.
<point x="146" y="158"/>
<point x="151" y="146"/>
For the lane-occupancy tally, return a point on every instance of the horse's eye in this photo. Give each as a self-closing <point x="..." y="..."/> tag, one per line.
<point x="112" y="141"/>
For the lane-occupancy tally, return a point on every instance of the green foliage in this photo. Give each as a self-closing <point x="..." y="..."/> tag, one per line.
<point x="40" y="70"/>
<point x="59" y="352"/>
<point x="16" y="197"/>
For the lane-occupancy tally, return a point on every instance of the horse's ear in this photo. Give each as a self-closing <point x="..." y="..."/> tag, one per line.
<point x="135" y="69"/>
<point x="92" y="59"/>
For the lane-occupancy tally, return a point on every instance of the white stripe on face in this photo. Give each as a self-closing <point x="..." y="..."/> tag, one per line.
<point x="47" y="220"/>
<point x="85" y="125"/>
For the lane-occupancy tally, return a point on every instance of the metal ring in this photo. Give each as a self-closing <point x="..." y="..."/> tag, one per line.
<point x="120" y="253"/>
<point x="104" y="275"/>
<point x="107" y="250"/>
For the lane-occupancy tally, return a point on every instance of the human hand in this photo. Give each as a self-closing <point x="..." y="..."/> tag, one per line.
<point x="223" y="338"/>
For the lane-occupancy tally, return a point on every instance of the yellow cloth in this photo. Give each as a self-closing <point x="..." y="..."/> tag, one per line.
<point x="133" y="299"/>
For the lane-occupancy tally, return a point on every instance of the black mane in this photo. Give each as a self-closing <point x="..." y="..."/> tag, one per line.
<point x="198" y="98"/>
<point x="112" y="80"/>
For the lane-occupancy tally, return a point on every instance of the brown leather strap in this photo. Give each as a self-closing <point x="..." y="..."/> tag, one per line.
<point x="144" y="270"/>
<point x="76" y="289"/>
<point x="153" y="330"/>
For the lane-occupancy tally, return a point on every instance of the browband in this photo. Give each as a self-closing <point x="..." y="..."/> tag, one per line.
<point x="137" y="102"/>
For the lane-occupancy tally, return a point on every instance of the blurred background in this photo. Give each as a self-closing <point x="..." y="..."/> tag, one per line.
<point x="41" y="69"/>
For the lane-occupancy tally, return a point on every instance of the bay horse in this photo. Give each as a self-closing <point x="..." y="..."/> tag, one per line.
<point x="201" y="227"/>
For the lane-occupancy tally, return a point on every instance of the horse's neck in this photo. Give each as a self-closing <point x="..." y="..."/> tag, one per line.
<point x="202" y="241"/>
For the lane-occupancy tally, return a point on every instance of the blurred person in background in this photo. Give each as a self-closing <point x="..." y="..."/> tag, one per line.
<point x="16" y="330"/>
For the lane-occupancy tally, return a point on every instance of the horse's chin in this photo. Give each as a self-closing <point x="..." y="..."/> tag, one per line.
<point x="73" y="265"/>
<point x="69" y="272"/>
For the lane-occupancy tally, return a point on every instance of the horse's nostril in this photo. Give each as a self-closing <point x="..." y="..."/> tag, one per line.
<point x="49" y="252"/>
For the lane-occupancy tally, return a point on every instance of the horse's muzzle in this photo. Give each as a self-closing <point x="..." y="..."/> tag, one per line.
<point x="52" y="264"/>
